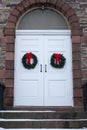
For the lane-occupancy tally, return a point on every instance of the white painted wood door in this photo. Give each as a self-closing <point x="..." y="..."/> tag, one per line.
<point x="44" y="85"/>
<point x="58" y="82"/>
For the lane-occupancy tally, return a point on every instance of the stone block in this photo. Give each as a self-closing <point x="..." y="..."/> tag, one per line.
<point x="9" y="56"/>
<point x="9" y="65"/>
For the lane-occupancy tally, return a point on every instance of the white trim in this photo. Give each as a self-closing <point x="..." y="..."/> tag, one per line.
<point x="43" y="32"/>
<point x="36" y="120"/>
<point x="24" y="111"/>
<point x="43" y="129"/>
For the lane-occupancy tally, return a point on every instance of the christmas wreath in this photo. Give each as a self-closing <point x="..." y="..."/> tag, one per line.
<point x="57" y="60"/>
<point x="29" y="60"/>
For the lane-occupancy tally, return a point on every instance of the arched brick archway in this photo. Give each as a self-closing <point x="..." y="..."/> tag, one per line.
<point x="9" y="36"/>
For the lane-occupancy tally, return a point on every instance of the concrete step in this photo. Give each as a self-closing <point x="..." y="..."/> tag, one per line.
<point x="43" y="129"/>
<point x="43" y="123"/>
<point x="42" y="119"/>
<point x="47" y="108"/>
<point x="42" y="115"/>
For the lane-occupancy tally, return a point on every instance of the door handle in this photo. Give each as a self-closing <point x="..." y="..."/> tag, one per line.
<point x="40" y="67"/>
<point x="45" y="68"/>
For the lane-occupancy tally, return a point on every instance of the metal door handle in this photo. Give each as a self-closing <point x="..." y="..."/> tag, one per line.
<point x="45" y="68"/>
<point x="41" y="68"/>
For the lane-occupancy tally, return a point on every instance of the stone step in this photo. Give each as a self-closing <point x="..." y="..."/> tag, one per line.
<point x="43" y="123"/>
<point x="42" y="119"/>
<point x="45" y="108"/>
<point x="42" y="115"/>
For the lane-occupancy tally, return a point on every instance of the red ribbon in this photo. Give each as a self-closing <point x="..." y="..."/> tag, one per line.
<point x="57" y="58"/>
<point x="28" y="56"/>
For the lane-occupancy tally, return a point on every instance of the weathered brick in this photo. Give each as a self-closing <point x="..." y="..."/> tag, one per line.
<point x="12" y="19"/>
<point x="32" y="1"/>
<point x="75" y="25"/>
<point x="3" y="39"/>
<point x="77" y="56"/>
<point x="59" y="3"/>
<point x="7" y="39"/>
<point x="16" y="13"/>
<point x="77" y="74"/>
<point x="9" y="32"/>
<point x="76" y="39"/>
<point x="65" y="8"/>
<point x="10" y="25"/>
<point x="10" y="39"/>
<point x="76" y="47"/>
<point x="10" y="47"/>
<point x="26" y="4"/>
<point x="9" y="65"/>
<point x="2" y="74"/>
<point x="51" y="1"/>
<point x="70" y="13"/>
<point x="8" y="92"/>
<point x="21" y="8"/>
<point x="9" y="56"/>
<point x="9" y="74"/>
<point x="77" y="64"/>
<point x="77" y="83"/>
<point x="73" y="19"/>
<point x="78" y="92"/>
<point x="78" y="101"/>
<point x="76" y="32"/>
<point x="9" y="83"/>
<point x="8" y="101"/>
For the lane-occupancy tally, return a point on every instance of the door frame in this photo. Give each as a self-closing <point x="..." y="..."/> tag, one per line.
<point x="43" y="32"/>
<point x="40" y="32"/>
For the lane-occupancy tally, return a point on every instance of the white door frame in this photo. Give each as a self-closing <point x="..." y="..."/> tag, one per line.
<point x="41" y="32"/>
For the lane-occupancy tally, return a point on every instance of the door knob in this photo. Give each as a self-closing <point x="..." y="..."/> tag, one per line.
<point x="41" y="68"/>
<point x="45" y="68"/>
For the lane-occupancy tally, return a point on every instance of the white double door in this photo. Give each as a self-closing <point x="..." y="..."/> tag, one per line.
<point x="43" y="85"/>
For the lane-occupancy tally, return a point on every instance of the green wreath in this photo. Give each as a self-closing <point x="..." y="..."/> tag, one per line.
<point x="26" y="61"/>
<point x="57" y="60"/>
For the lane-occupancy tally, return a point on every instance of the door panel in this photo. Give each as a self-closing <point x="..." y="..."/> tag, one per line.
<point x="28" y="83"/>
<point x="58" y="82"/>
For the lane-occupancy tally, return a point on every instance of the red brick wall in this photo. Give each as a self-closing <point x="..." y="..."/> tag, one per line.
<point x="14" y="11"/>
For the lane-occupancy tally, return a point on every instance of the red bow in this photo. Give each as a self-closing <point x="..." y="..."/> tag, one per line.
<point x="57" y="58"/>
<point x="28" y="56"/>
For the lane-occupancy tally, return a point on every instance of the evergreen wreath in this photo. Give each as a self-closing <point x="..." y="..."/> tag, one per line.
<point x="26" y="60"/>
<point x="57" y="60"/>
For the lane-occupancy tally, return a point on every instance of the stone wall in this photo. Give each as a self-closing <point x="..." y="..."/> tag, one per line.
<point x="79" y="6"/>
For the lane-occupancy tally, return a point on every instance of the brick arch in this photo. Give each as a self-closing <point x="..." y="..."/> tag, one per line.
<point x="9" y="34"/>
